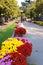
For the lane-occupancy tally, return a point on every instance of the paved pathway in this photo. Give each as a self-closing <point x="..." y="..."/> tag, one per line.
<point x="35" y="35"/>
<point x="6" y="25"/>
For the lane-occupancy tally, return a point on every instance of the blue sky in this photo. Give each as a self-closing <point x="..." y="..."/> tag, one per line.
<point x="19" y="2"/>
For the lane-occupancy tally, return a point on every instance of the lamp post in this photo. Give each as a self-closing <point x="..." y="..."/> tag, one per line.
<point x="21" y="15"/>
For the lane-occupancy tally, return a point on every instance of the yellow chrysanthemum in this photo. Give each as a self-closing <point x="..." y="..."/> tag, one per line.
<point x="19" y="43"/>
<point x="2" y="53"/>
<point x="10" y="45"/>
<point x="10" y="39"/>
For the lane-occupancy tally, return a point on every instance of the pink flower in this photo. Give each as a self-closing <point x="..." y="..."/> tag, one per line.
<point x="18" y="25"/>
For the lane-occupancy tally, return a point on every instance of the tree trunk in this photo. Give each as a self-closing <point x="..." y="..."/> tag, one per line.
<point x="2" y="20"/>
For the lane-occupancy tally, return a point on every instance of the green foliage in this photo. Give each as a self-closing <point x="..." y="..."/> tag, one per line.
<point x="31" y="11"/>
<point x="35" y="9"/>
<point x="9" y="8"/>
<point x="39" y="7"/>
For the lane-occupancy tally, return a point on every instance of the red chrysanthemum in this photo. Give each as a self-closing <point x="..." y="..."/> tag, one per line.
<point x="20" y="31"/>
<point x="23" y="40"/>
<point x="18" y="59"/>
<point x="25" y="49"/>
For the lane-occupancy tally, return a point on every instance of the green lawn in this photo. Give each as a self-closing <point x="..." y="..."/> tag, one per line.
<point x="6" y="33"/>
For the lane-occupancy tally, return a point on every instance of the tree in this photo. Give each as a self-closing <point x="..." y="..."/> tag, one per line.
<point x="35" y="9"/>
<point x="9" y="8"/>
<point x="31" y="10"/>
<point x="39" y="7"/>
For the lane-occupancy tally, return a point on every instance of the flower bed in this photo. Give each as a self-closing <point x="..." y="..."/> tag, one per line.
<point x="26" y="48"/>
<point x="14" y="51"/>
<point x="10" y="45"/>
<point x="14" y="58"/>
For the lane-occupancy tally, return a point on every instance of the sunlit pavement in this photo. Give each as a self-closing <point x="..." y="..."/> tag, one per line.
<point x="35" y="36"/>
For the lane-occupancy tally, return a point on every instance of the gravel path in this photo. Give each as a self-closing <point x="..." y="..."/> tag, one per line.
<point x="35" y="35"/>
